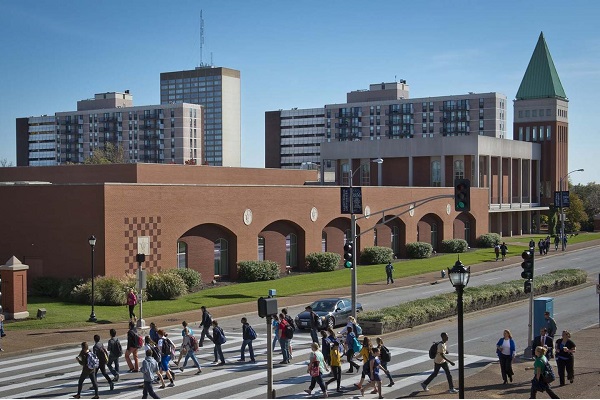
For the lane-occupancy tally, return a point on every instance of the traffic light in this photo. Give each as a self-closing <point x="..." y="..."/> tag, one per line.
<point x="527" y="264"/>
<point x="348" y="249"/>
<point x="462" y="195"/>
<point x="527" y="287"/>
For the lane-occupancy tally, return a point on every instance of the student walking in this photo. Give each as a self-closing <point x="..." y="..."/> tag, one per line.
<point x="291" y="323"/>
<point x="115" y="351"/>
<point x="153" y="332"/>
<point x="550" y="324"/>
<point x="205" y="324"/>
<point x="365" y="354"/>
<point x="389" y="271"/>
<point x="503" y="250"/>
<point x="556" y="242"/>
<point x="441" y="361"/>
<point x="190" y="351"/>
<point x="335" y="360"/>
<point x="545" y="341"/>
<point x="132" y="300"/>
<point x="248" y="335"/>
<point x="385" y="356"/>
<point x="167" y="348"/>
<point x="565" y="348"/>
<point x="497" y="250"/>
<point x="538" y="384"/>
<point x="87" y="371"/>
<point x="325" y="346"/>
<point x="350" y="349"/>
<point x="506" y="351"/>
<point x="155" y="352"/>
<point x="314" y="324"/>
<point x="374" y="378"/>
<point x="132" y="348"/>
<point x="316" y="368"/>
<point x="102" y="355"/>
<point x="275" y="325"/>
<point x="183" y="350"/>
<point x="283" y="339"/>
<point x="2" y="333"/>
<point x="218" y="340"/>
<point x="149" y="369"/>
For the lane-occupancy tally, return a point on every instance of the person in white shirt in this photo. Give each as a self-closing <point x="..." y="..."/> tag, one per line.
<point x="506" y="350"/>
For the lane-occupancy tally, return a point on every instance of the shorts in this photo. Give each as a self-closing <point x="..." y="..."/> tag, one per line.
<point x="164" y="363"/>
<point x="376" y="378"/>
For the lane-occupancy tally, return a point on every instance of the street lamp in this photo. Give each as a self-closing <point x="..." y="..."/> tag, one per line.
<point x="459" y="277"/>
<point x="562" y="210"/>
<point x="92" y="242"/>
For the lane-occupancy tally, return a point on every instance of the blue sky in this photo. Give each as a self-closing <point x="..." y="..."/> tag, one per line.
<point x="295" y="54"/>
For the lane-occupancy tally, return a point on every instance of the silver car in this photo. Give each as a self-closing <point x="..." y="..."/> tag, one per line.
<point x="332" y="312"/>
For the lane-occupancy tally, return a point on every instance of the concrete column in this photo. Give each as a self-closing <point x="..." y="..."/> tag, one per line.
<point x="510" y="182"/>
<point x="489" y="178"/>
<point x="14" y="289"/>
<point x="520" y="222"/>
<point x="500" y="186"/>
<point x="475" y="183"/>
<point x="443" y="170"/>
<point x="538" y="178"/>
<point x="500" y="227"/>
<point x="520" y="178"/>
<point x="410" y="171"/>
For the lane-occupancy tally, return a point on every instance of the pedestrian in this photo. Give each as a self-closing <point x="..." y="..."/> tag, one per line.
<point x="532" y="243"/>
<point x="503" y="250"/>
<point x="545" y="341"/>
<point x="538" y="384"/>
<point x="275" y="325"/>
<point x="153" y="332"/>
<point x="374" y="378"/>
<point x="132" y="348"/>
<point x="325" y="346"/>
<point x="283" y="339"/>
<point x="350" y="349"/>
<point x="131" y="302"/>
<point x="441" y="361"/>
<point x="183" y="350"/>
<point x="115" y="351"/>
<point x="149" y="368"/>
<point x="335" y="361"/>
<point x="166" y="347"/>
<point x="248" y="335"/>
<point x="291" y="323"/>
<point x="316" y="368"/>
<point x="190" y="351"/>
<point x="565" y="348"/>
<point x="385" y="356"/>
<point x="365" y="353"/>
<point x="314" y="324"/>
<point x="541" y="246"/>
<point x="565" y="240"/>
<point x="218" y="340"/>
<point x="102" y="355"/>
<point x="547" y="245"/>
<point x="205" y="324"/>
<point x="2" y="333"/>
<point x="149" y="344"/>
<point x="497" y="250"/>
<point x="550" y="324"/>
<point x="556" y="242"/>
<point x="506" y="351"/>
<point x="389" y="270"/>
<point x="86" y="371"/>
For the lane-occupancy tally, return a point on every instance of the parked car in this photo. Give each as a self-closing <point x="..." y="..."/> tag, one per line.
<point x="332" y="312"/>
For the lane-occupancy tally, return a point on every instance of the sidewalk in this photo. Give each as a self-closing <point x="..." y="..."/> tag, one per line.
<point x="488" y="381"/>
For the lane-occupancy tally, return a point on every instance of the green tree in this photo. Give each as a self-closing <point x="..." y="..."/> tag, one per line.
<point x="590" y="194"/>
<point x="111" y="154"/>
<point x="575" y="214"/>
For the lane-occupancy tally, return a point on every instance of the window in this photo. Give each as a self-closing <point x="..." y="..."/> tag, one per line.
<point x="221" y="257"/>
<point x="520" y="133"/>
<point x="261" y="248"/>
<point x="548" y="130"/>
<point x="291" y="252"/>
<point x="527" y="134"/>
<point x="526" y="113"/>
<point x="323" y="241"/>
<point x="434" y="235"/>
<point x="459" y="169"/>
<point x="520" y="113"/>
<point x="534" y="113"/>
<point x="468" y="232"/>
<point x="535" y="133"/>
<point x="181" y="255"/>
<point x="436" y="174"/>
<point x="395" y="239"/>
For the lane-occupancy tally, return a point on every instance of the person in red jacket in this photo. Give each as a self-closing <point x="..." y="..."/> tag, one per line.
<point x="283" y="339"/>
<point x="131" y="302"/>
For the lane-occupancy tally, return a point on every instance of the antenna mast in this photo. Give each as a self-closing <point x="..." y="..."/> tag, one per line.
<point x="201" y="38"/>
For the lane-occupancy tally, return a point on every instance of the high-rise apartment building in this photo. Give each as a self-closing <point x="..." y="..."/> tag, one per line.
<point x="170" y="133"/>
<point x="218" y="90"/>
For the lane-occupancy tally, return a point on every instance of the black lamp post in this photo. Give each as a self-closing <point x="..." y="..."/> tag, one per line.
<point x="92" y="242"/>
<point x="459" y="277"/>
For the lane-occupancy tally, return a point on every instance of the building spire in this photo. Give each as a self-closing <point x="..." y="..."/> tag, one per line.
<point x="541" y="79"/>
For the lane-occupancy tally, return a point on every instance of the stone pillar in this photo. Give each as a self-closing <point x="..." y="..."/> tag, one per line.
<point x="14" y="289"/>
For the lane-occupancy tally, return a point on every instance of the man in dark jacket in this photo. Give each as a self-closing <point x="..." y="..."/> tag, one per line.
<point x="314" y="324"/>
<point x="102" y="355"/>
<point x="205" y="324"/>
<point x="132" y="348"/>
<point x="247" y="341"/>
<point x="545" y="341"/>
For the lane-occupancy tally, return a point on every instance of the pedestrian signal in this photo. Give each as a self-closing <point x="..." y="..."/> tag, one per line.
<point x="348" y="255"/>
<point x="527" y="287"/>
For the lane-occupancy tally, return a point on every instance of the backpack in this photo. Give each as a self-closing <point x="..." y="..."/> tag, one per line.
<point x="356" y="346"/>
<point x="208" y="321"/>
<point x="101" y="353"/>
<point x="386" y="356"/>
<point x="251" y="333"/>
<point x="433" y="350"/>
<point x="548" y="374"/>
<point x="116" y="350"/>
<point x="290" y="321"/>
<point x="357" y="329"/>
<point x="140" y="341"/>
<point x="155" y="353"/>
<point x="314" y="369"/>
<point x="289" y="331"/>
<point x="222" y="339"/>
<point x="92" y="360"/>
<point x="168" y="348"/>
<point x="194" y="343"/>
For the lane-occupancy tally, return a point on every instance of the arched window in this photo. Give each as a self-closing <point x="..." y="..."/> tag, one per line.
<point x="434" y="235"/>
<point x="323" y="241"/>
<point x="459" y="169"/>
<point x="261" y="248"/>
<point x="221" y="257"/>
<point x="182" y="255"/>
<point x="396" y="240"/>
<point x="291" y="252"/>
<point x="436" y="174"/>
<point x="374" y="236"/>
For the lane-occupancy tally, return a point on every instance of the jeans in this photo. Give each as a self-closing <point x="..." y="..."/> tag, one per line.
<point x="205" y="331"/>
<point x="387" y="373"/>
<point x="188" y="355"/>
<point x="113" y="365"/>
<point x="148" y="389"/>
<point x="131" y="313"/>
<point x="275" y="340"/>
<point x="390" y="278"/>
<point x="247" y="342"/>
<point x="102" y="369"/>
<point x="436" y="369"/>
<point x="85" y="373"/>
<point x="336" y="372"/>
<point x="349" y="355"/>
<point x="317" y="379"/>
<point x="284" y="343"/>
<point x="219" y="353"/>
<point x="314" y="335"/>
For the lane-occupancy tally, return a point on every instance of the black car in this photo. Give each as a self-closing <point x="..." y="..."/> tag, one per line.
<point x="332" y="312"/>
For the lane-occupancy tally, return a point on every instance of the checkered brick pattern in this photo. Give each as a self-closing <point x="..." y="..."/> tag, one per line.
<point x="142" y="226"/>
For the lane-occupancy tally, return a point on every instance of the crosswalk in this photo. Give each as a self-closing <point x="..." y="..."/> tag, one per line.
<point x="54" y="374"/>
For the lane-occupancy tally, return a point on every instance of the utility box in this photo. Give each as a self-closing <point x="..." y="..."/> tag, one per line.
<point x="540" y="306"/>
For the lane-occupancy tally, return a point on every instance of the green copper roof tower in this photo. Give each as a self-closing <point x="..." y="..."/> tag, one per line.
<point x="541" y="79"/>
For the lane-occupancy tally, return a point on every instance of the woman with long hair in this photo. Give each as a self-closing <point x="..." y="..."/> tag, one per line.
<point x="506" y="350"/>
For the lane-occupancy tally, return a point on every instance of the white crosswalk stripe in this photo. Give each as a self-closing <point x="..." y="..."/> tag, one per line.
<point x="54" y="373"/>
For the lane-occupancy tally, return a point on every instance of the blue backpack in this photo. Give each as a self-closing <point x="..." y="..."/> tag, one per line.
<point x="251" y="332"/>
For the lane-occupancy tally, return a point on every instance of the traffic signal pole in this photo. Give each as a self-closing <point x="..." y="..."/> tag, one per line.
<point x="354" y="289"/>
<point x="528" y="273"/>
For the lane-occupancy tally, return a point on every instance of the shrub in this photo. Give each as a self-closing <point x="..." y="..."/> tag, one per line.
<point x="67" y="286"/>
<point x="191" y="277"/>
<point x="46" y="286"/>
<point x="108" y="291"/>
<point x="253" y="271"/>
<point x="376" y="255"/>
<point x="454" y="246"/>
<point x="419" y="250"/>
<point x="322" y="262"/>
<point x="165" y="286"/>
<point x="488" y="240"/>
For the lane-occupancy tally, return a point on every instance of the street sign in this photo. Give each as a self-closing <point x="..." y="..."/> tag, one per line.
<point x="565" y="198"/>
<point x="356" y="201"/>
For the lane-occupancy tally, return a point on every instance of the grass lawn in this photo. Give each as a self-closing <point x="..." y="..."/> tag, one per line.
<point x="63" y="315"/>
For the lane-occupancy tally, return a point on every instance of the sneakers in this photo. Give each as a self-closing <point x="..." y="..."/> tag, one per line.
<point x="112" y="385"/>
<point x="391" y="384"/>
<point x="171" y="384"/>
<point x="452" y="391"/>
<point x="424" y="386"/>
<point x="96" y="397"/>
<point x="116" y="378"/>
<point x="181" y="369"/>
<point x="199" y="372"/>
<point x="76" y="396"/>
<point x="308" y="391"/>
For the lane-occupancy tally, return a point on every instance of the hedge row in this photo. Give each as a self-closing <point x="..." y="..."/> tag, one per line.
<point x="376" y="255"/>
<point x="419" y="250"/>
<point x="418" y="312"/>
<point x="253" y="271"/>
<point x="322" y="262"/>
